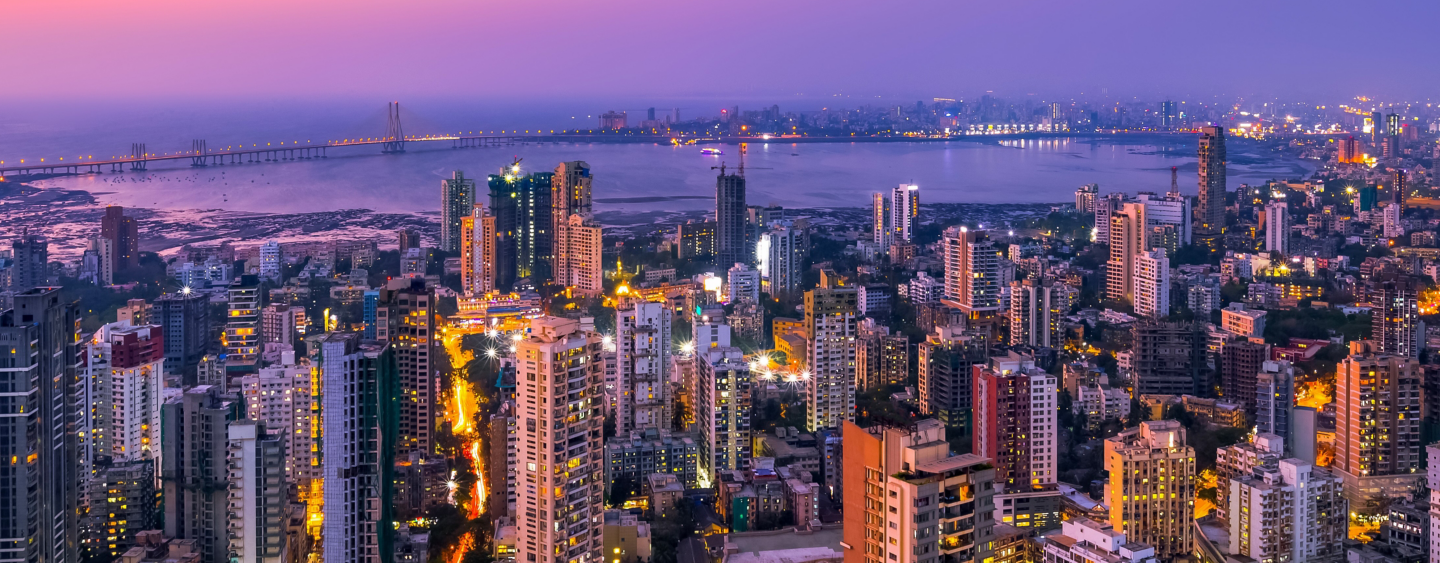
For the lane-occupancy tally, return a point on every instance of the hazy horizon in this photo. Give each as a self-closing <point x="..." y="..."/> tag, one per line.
<point x="556" y="50"/>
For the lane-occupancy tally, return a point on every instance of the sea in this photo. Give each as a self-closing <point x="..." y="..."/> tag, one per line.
<point x="629" y="177"/>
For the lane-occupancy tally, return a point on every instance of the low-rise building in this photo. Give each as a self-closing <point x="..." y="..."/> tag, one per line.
<point x="1082" y="540"/>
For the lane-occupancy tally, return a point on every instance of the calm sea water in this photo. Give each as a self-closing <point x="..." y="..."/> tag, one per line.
<point x="628" y="177"/>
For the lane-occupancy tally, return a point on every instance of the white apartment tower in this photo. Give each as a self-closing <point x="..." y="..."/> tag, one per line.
<point x="904" y="212"/>
<point x="642" y="347"/>
<point x="270" y="261"/>
<point x="1152" y="283"/>
<point x="257" y="500"/>
<point x="1293" y="512"/>
<point x="124" y="381"/>
<point x="722" y="410"/>
<point x="1037" y="310"/>
<point x="280" y="396"/>
<point x="558" y="474"/>
<point x="1277" y="227"/>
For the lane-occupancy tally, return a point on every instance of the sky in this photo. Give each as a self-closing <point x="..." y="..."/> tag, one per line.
<point x="775" y="49"/>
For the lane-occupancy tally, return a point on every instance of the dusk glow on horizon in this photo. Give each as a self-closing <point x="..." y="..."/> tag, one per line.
<point x="811" y="49"/>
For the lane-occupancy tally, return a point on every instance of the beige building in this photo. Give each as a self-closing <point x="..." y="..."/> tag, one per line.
<point x="1127" y="240"/>
<point x="558" y="473"/>
<point x="1152" y="486"/>
<point x="578" y="255"/>
<point x="908" y="500"/>
<point x="477" y="251"/>
<point x="1377" y="425"/>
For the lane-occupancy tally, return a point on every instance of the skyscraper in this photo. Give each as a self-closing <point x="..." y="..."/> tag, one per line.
<point x="256" y="477"/>
<point x="280" y="396"/>
<point x="477" y="251"/>
<point x="185" y="316"/>
<point x="880" y="210"/>
<point x="1152" y="486"/>
<point x="31" y="269"/>
<point x="928" y="483"/>
<point x="1037" y="312"/>
<point x="534" y="224"/>
<point x="39" y="475"/>
<point x="457" y="198"/>
<point x="730" y="218"/>
<point x="1395" y="324"/>
<point x="1277" y="227"/>
<point x="1377" y="424"/>
<point x="570" y="195"/>
<point x="1015" y="405"/>
<point x="781" y="254"/>
<point x="904" y="212"/>
<point x="558" y="441"/>
<point x="242" y="326"/>
<point x="880" y="358"/>
<point x="1289" y="512"/>
<point x="1127" y="241"/>
<point x="946" y="361"/>
<point x="194" y="450"/>
<point x="578" y="251"/>
<point x="358" y="409"/>
<point x="642" y="345"/>
<point x="972" y="272"/>
<point x="124" y="238"/>
<point x="831" y="312"/>
<point x="125" y="377"/>
<point x="1086" y="197"/>
<point x="405" y="319"/>
<point x="1152" y="283"/>
<point x="1211" y="213"/>
<point x="723" y="388"/>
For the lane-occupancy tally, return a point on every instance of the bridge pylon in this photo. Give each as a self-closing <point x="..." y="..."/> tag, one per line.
<point x="394" y="133"/>
<point x="197" y="152"/>
<point x="137" y="152"/>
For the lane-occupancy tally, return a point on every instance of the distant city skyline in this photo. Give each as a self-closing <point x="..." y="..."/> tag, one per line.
<point x="172" y="49"/>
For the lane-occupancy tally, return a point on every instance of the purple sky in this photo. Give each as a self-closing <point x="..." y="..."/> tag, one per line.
<point x="574" y="49"/>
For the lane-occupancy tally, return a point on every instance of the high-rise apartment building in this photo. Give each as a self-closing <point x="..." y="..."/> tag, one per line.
<point x="242" y="324"/>
<point x="358" y="425"/>
<point x="1275" y="399"/>
<point x="1395" y="323"/>
<point x="40" y="349"/>
<point x="1085" y="198"/>
<point x="883" y="235"/>
<point x="642" y="347"/>
<point x="125" y="381"/>
<point x="1240" y="364"/>
<point x="558" y="472"/>
<point x="946" y="361"/>
<point x="1210" y="215"/>
<point x="904" y="212"/>
<point x="742" y="282"/>
<point x="730" y="218"/>
<point x="569" y="195"/>
<point x="1151" y="282"/>
<point x="281" y="324"/>
<point x="194" y="453"/>
<point x="722" y="410"/>
<point x="578" y="249"/>
<point x="1127" y="241"/>
<point x="124" y="237"/>
<point x="1037" y="312"/>
<point x="406" y="319"/>
<point x="1152" y="486"/>
<point x="257" y="501"/>
<point x="185" y="318"/>
<point x="909" y="500"/>
<point x="831" y="312"/>
<point x="477" y="251"/>
<point x="880" y="358"/>
<point x="270" y="262"/>
<point x="1377" y="424"/>
<point x="1241" y="460"/>
<point x="972" y="272"/>
<point x="1293" y="512"/>
<point x="1277" y="227"/>
<point x="1015" y="410"/>
<point x="1164" y="213"/>
<point x="780" y="254"/>
<point x="1168" y="357"/>
<point x="119" y="502"/>
<point x="281" y="398"/>
<point x="457" y="198"/>
<point x="31" y="268"/>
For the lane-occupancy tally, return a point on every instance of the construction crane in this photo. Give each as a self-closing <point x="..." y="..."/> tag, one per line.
<point x="721" y="168"/>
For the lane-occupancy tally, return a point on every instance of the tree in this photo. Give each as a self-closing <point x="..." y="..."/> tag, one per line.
<point x="1138" y="413"/>
<point x="621" y="490"/>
